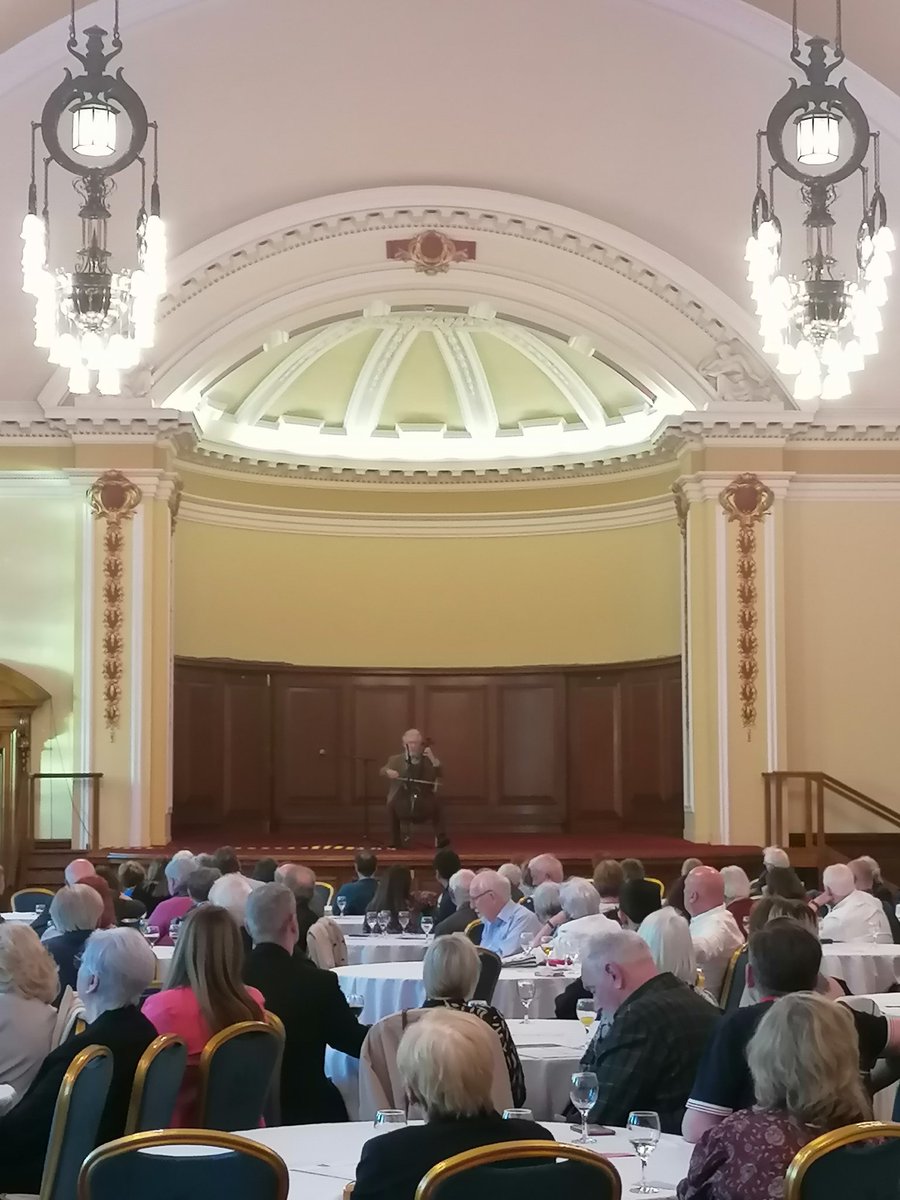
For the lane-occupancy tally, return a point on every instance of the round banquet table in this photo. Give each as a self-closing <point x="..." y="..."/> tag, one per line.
<point x="389" y="947"/>
<point x="163" y="961"/>
<point x="347" y="925"/>
<point x="390" y="987"/>
<point x="550" y="1052"/>
<point x="866" y="967"/>
<point x="24" y="918"/>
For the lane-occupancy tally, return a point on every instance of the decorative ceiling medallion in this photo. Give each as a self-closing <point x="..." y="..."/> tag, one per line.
<point x="431" y="251"/>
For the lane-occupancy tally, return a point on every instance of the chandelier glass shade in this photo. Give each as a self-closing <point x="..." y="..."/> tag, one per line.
<point x="820" y="324"/>
<point x="93" y="320"/>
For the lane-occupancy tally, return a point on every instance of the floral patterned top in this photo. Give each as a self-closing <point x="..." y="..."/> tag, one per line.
<point x="745" y="1157"/>
<point x="492" y="1017"/>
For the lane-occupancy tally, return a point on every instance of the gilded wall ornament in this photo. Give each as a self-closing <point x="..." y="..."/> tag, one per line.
<point x="431" y="251"/>
<point x="113" y="498"/>
<point x="746" y="500"/>
<point x="682" y="504"/>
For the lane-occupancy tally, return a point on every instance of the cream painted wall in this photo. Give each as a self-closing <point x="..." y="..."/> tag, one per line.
<point x="842" y="647"/>
<point x="601" y="596"/>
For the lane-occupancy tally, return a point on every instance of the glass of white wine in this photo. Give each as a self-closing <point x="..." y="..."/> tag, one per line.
<point x="525" y="988"/>
<point x="403" y="918"/>
<point x="586" y="1013"/>
<point x="427" y="924"/>
<point x="583" y="1094"/>
<point x="643" y="1133"/>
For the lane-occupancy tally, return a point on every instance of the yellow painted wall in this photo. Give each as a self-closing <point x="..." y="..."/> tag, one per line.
<point x="605" y="596"/>
<point x="842" y="647"/>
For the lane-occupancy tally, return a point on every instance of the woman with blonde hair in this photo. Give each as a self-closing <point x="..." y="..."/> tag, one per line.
<point x="804" y="1060"/>
<point x="29" y="982"/>
<point x="204" y="994"/>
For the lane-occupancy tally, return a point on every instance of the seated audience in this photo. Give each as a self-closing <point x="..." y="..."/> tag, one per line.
<point x="76" y="871"/>
<point x="231" y="892"/>
<point x="155" y="887"/>
<point x="784" y="958"/>
<point x="199" y="883"/>
<point x="103" y="890"/>
<point x="658" y="1032"/>
<point x="116" y="968"/>
<point x="394" y="895"/>
<point x="124" y="908"/>
<point x="75" y="912"/>
<point x="29" y="983"/>
<point x="226" y="861"/>
<point x="206" y="860"/>
<point x="737" y="895"/>
<point x="668" y="935"/>
<point x="204" y="993"/>
<point x="773" y="908"/>
<point x="302" y="882"/>
<point x="632" y="868"/>
<point x="853" y="916"/>
<point x="131" y="875"/>
<point x="513" y="872"/>
<point x="545" y="868"/>
<point x="638" y="898"/>
<point x="864" y="877"/>
<point x="714" y="931"/>
<point x="773" y="856"/>
<point x="309" y="1002"/>
<point x="264" y="871"/>
<point x="784" y="882"/>
<point x="879" y="888"/>
<point x="361" y="891"/>
<point x="608" y="880"/>
<point x="464" y="914"/>
<point x="504" y="922"/>
<point x="446" y="863"/>
<point x="179" y="904"/>
<point x="445" y="1062"/>
<point x="450" y="974"/>
<point x="803" y="1070"/>
<point x="578" y="898"/>
<point x="545" y="901"/>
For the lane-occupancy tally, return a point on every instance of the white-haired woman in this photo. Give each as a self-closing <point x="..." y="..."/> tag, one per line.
<point x="231" y="892"/>
<point x="804" y="1060"/>
<point x="75" y="912"/>
<point x="578" y="898"/>
<point x="445" y="1062"/>
<point x="29" y="983"/>
<point x="450" y="974"/>
<point x="513" y="873"/>
<point x="179" y="904"/>
<point x="668" y="935"/>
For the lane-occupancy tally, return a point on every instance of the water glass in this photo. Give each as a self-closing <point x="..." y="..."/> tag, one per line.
<point x="427" y="924"/>
<point x="387" y="1119"/>
<point x="525" y="988"/>
<point x="525" y="942"/>
<point x="586" y="1013"/>
<point x="370" y="921"/>
<point x="151" y="933"/>
<point x="342" y="904"/>
<point x="518" y="1114"/>
<point x="403" y="918"/>
<point x="384" y="919"/>
<point x="583" y="1094"/>
<point x="643" y="1133"/>
<point x="356" y="1004"/>
<point x="174" y="929"/>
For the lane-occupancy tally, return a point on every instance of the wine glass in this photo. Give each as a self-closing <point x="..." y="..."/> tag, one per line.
<point x="525" y="988"/>
<point x="151" y="933"/>
<point x="583" y="1094"/>
<point x="518" y="1114"/>
<point x="384" y="919"/>
<point x="403" y="918"/>
<point x="174" y="929"/>
<point x="387" y="1119"/>
<point x="427" y="924"/>
<point x="643" y="1133"/>
<point x="525" y="942"/>
<point x="342" y="904"/>
<point x="586" y="1013"/>
<point x="356" y="1004"/>
<point x="370" y="920"/>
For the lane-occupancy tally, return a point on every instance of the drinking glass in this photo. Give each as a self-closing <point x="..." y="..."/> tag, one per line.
<point x="403" y="918"/>
<point x="427" y="924"/>
<point x="387" y="1119"/>
<point x="39" y="908"/>
<point x="174" y="929"/>
<point x="356" y="1004"/>
<point x="583" y="1094"/>
<point x="518" y="1114"/>
<point x="151" y="933"/>
<point x="525" y="942"/>
<point x="584" y="1010"/>
<point x="643" y="1133"/>
<point x="384" y="919"/>
<point x="342" y="904"/>
<point x="525" y="988"/>
<point x="370" y="920"/>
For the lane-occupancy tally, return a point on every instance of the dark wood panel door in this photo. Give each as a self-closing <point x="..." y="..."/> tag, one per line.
<point x="455" y="720"/>
<point x="651" y="773"/>
<point x="595" y="751"/>
<point x="531" y="749"/>
<point x="383" y="709"/>
<point x="311" y="772"/>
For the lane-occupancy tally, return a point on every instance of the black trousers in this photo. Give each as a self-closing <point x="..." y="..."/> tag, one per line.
<point x="426" y="809"/>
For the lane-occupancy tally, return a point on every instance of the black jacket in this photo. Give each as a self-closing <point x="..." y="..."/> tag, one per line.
<point x="457" y="921"/>
<point x="64" y="949"/>
<point x="127" y="909"/>
<point x="445" y="907"/>
<point x="25" y="1130"/>
<point x="315" y="1014"/>
<point x="391" y="1166"/>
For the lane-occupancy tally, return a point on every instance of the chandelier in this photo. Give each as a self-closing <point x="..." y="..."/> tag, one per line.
<point x="93" y="320"/>
<point x="819" y="323"/>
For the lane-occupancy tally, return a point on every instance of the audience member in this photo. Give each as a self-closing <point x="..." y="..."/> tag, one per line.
<point x="668" y="935"/>
<point x="545" y="901"/>
<point x="737" y="895"/>
<point x="206" y="860"/>
<point x="504" y="923"/>
<point x="29" y="983"/>
<point x="853" y="916"/>
<point x="204" y="994"/>
<point x="675" y="890"/>
<point x="450" y="974"/>
<point x="714" y="931"/>
<point x="784" y="958"/>
<point x="179" y="904"/>
<point x="465" y="914"/>
<point x="864" y="877"/>
<point x="227" y="861"/>
<point x="361" y="891"/>
<point x="155" y="887"/>
<point x="446" y="863"/>
<point x="102" y="888"/>
<point x="578" y="898"/>
<point x="231" y="892"/>
<point x="773" y="856"/>
<point x="773" y="908"/>
<point x="659" y="1029"/>
<point x="445" y="1062"/>
<point x="394" y="895"/>
<point x="608" y="880"/>
<point x="632" y="868"/>
<point x="785" y="882"/>
<point x="310" y="1003"/>
<point x="546" y="868"/>
<point x="132" y="875"/>
<point x="638" y="898"/>
<point x="77" y="870"/>
<point x="124" y="908"/>
<point x="264" y="871"/>
<point x="803" y="1066"/>
<point x="513" y="872"/>
<point x="302" y="882"/>
<point x="75" y="912"/>
<point x="885" y="894"/>
<point x="116" y="968"/>
<point x="199" y="883"/>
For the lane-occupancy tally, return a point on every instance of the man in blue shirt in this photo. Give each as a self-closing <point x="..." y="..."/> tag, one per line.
<point x="504" y="922"/>
<point x="360" y="893"/>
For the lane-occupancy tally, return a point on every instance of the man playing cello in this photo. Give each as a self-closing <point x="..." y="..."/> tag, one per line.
<point x="412" y="795"/>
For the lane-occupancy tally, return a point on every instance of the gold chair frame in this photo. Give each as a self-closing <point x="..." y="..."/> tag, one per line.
<point x="272" y="1026"/>
<point x="483" y="1156"/>
<point x="43" y="891"/>
<point x="61" y="1114"/>
<point x="140" y="1077"/>
<point x="659" y="883"/>
<point x="183" y="1137"/>
<point x="728" y="979"/>
<point x="473" y="925"/>
<point x="836" y="1139"/>
<point x="330" y="886"/>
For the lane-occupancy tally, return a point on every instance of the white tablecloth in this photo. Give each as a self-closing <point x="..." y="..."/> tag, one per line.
<point x="24" y="917"/>
<point x="348" y="925"/>
<point x="866" y="967"/>
<point x="391" y="947"/>
<point x="322" y="1158"/>
<point x="550" y="1051"/>
<point x="390" y="987"/>
<point x="163" y="961"/>
<point x="889" y="1003"/>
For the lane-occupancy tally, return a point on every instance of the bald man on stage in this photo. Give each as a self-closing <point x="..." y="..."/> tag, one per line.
<point x="412" y="796"/>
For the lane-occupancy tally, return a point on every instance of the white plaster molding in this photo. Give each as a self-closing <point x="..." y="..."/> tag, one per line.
<point x="138" y="645"/>
<point x="85" y="755"/>
<point x="467" y="374"/>
<point x="563" y="377"/>
<point x="770" y="616"/>
<point x="845" y="488"/>
<point x="722" y="676"/>
<point x="375" y="378"/>
<point x="687" y="669"/>
<point x="272" y="387"/>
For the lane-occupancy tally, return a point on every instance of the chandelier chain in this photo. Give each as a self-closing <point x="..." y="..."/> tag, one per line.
<point x="73" y="40"/>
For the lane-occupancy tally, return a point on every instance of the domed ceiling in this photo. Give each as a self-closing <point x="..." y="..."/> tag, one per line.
<point x="429" y="385"/>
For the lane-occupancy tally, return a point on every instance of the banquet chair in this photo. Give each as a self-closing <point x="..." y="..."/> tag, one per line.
<point x="124" y="1168"/>
<point x="838" y="1165"/>
<point x="473" y="931"/>
<point x="488" y="975"/>
<point x="324" y="893"/>
<point x="157" y="1081"/>
<point x="659" y="883"/>
<point x="525" y="1170"/>
<point x="76" y="1120"/>
<point x="27" y="899"/>
<point x="69" y="1012"/>
<point x="326" y="944"/>
<point x="734" y="981"/>
<point x="238" y="1069"/>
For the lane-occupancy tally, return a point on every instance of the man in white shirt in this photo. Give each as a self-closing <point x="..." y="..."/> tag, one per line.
<point x="853" y="916"/>
<point x="714" y="931"/>
<point x="504" y="923"/>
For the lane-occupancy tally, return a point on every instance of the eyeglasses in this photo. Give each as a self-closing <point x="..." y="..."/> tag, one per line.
<point x="481" y="895"/>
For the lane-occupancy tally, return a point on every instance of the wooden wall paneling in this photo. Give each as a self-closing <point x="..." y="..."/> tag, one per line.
<point x="595" y="750"/>
<point x="652" y="800"/>
<point x="383" y="708"/>
<point x="455" y="716"/>
<point x="248" y="749"/>
<point x="532" y="750"/>
<point x="310" y="772"/>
